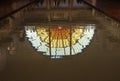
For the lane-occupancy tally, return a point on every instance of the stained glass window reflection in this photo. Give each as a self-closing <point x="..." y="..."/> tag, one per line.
<point x="58" y="41"/>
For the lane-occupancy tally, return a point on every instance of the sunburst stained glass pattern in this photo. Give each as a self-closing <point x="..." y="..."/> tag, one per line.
<point x="58" y="41"/>
<point x="60" y="37"/>
<point x="43" y="33"/>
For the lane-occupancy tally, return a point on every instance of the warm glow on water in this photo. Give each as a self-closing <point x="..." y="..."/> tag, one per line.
<point x="64" y="40"/>
<point x="59" y="35"/>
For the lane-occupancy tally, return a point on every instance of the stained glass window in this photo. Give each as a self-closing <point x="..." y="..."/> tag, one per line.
<point x="57" y="41"/>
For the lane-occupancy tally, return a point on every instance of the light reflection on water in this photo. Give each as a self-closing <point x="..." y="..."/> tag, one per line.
<point x="59" y="41"/>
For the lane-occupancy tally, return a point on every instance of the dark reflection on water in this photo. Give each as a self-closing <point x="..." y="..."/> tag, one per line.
<point x="100" y="61"/>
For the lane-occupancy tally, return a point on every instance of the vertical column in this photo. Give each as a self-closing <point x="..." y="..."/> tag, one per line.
<point x="48" y="4"/>
<point x="70" y="4"/>
<point x="70" y="39"/>
<point x="49" y="41"/>
<point x="94" y="4"/>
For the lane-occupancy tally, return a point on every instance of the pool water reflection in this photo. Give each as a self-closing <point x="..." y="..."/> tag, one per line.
<point x="57" y="41"/>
